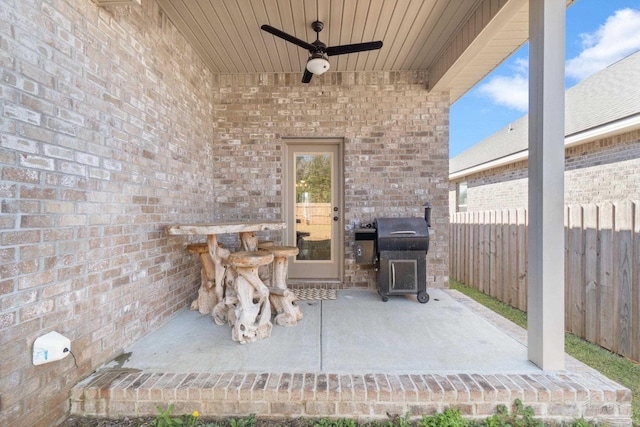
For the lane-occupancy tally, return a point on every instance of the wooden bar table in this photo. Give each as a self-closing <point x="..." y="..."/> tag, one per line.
<point x="223" y="296"/>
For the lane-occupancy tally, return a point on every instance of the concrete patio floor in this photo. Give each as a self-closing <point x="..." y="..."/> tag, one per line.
<point x="351" y="357"/>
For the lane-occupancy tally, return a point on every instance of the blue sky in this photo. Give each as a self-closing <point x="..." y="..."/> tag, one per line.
<point x="599" y="33"/>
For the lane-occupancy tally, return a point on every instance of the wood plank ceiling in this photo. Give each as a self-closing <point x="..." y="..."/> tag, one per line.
<point x="417" y="34"/>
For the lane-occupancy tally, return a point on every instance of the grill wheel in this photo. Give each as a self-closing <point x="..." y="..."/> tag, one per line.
<point x="423" y="297"/>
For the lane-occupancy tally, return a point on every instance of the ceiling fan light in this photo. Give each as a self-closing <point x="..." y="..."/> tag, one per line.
<point x="318" y="65"/>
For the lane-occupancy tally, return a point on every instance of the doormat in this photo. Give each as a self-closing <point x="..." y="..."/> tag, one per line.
<point x="315" y="294"/>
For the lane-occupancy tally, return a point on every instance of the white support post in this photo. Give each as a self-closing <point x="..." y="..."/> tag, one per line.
<point x="546" y="183"/>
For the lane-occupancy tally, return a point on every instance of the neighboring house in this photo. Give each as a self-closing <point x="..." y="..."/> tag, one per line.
<point x="602" y="128"/>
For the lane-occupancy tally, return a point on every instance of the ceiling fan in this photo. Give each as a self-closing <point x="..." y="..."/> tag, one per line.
<point x="318" y="61"/>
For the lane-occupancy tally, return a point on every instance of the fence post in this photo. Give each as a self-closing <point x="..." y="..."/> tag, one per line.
<point x="482" y="251"/>
<point x="460" y="246"/>
<point x="605" y="339"/>
<point x="575" y="279"/>
<point x="636" y="282"/>
<point x="513" y="257"/>
<point x="472" y="248"/>
<point x="623" y="276"/>
<point x="591" y="271"/>
<point x="499" y="256"/>
<point x="493" y="254"/>
<point x="521" y="250"/>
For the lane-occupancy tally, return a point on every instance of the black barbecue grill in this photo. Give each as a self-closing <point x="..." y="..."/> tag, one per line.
<point x="402" y="245"/>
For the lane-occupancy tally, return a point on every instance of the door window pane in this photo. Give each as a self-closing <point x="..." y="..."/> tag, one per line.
<point x="313" y="206"/>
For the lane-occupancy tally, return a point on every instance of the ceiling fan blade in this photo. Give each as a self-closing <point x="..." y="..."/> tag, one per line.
<point x="352" y="48"/>
<point x="288" y="37"/>
<point x="306" y="77"/>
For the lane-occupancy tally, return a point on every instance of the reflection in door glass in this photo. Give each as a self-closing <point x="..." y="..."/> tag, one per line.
<point x="313" y="206"/>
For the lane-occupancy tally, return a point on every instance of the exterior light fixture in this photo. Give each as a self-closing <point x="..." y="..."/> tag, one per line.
<point x="318" y="64"/>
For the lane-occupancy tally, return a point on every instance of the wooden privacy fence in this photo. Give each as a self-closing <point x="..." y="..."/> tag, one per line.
<point x="313" y="213"/>
<point x="602" y="267"/>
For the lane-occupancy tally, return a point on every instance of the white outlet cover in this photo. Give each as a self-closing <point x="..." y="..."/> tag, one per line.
<point x="50" y="347"/>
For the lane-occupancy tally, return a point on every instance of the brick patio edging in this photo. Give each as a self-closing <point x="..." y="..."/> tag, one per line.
<point x="555" y="397"/>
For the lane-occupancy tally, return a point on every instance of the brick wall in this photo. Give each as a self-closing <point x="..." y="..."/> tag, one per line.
<point x="395" y="149"/>
<point x="106" y="130"/>
<point x="603" y="170"/>
<point x="504" y="187"/>
<point x="105" y="137"/>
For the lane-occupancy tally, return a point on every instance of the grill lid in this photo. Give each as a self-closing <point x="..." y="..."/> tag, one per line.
<point x="402" y="234"/>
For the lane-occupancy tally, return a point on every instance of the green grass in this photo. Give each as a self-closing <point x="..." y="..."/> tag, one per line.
<point x="516" y="416"/>
<point x="618" y="368"/>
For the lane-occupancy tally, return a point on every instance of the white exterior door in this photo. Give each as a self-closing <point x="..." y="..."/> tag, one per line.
<point x="313" y="205"/>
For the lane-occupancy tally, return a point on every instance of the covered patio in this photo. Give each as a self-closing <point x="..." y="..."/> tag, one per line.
<point x="123" y="117"/>
<point x="350" y="357"/>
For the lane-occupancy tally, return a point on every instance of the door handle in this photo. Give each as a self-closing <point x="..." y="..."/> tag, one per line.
<point x="393" y="275"/>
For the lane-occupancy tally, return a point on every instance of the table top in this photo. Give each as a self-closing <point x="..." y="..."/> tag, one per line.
<point x="224" y="227"/>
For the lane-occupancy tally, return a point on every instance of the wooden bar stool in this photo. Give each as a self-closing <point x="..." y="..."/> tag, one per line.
<point x="252" y="319"/>
<point x="284" y="301"/>
<point x="265" y="271"/>
<point x="264" y="244"/>
<point x="209" y="294"/>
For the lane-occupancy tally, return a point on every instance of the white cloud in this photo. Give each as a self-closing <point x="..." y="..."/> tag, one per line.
<point x="509" y="91"/>
<point x="521" y="66"/>
<point x="617" y="38"/>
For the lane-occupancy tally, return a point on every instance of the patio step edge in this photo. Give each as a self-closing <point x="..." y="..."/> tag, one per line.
<point x="563" y="396"/>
